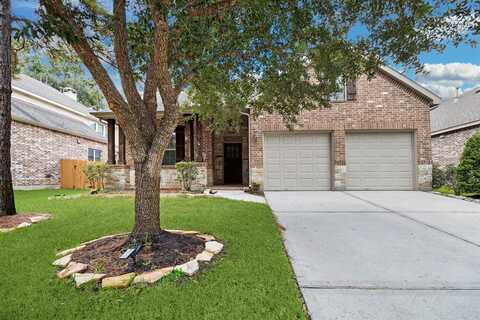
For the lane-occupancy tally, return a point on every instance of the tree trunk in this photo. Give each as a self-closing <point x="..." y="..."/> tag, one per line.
<point x="7" y="204"/>
<point x="147" y="202"/>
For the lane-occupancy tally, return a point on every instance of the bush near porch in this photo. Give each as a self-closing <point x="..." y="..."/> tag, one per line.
<point x="253" y="280"/>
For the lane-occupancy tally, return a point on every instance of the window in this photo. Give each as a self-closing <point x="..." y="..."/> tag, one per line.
<point x="99" y="128"/>
<point x="170" y="156"/>
<point x="94" y="154"/>
<point x="341" y="93"/>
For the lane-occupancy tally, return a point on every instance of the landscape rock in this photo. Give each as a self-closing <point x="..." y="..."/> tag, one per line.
<point x="72" y="267"/>
<point x="82" y="278"/>
<point x="39" y="218"/>
<point x="204" y="256"/>
<point x="122" y="281"/>
<point x="69" y="251"/>
<point x="213" y="246"/>
<point x="23" y="225"/>
<point x="189" y="232"/>
<point x="6" y="229"/>
<point x="63" y="261"/>
<point x="188" y="268"/>
<point x="152" y="276"/>
<point x="206" y="237"/>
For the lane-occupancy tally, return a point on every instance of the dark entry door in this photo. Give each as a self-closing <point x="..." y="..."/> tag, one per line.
<point x="232" y="166"/>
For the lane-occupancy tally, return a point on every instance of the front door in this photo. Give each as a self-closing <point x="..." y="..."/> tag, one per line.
<point x="232" y="166"/>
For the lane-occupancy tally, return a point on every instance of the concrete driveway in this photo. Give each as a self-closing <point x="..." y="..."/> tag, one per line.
<point x="383" y="255"/>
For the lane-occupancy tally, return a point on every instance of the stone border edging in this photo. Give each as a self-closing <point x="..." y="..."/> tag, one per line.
<point x="76" y="270"/>
<point x="35" y="219"/>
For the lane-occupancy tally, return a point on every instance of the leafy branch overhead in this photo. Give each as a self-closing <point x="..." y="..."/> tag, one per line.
<point x="233" y="54"/>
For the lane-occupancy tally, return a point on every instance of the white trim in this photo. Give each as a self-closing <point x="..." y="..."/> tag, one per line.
<point x="412" y="84"/>
<point x="454" y="128"/>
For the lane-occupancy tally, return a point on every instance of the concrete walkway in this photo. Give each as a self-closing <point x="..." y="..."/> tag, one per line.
<point x="238" y="195"/>
<point x="383" y="255"/>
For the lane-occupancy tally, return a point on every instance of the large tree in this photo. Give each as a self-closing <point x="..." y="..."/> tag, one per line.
<point x="274" y="56"/>
<point x="7" y="203"/>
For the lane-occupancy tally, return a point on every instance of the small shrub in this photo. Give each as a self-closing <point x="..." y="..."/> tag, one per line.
<point x="96" y="173"/>
<point x="187" y="172"/>
<point x="438" y="177"/>
<point x="467" y="173"/>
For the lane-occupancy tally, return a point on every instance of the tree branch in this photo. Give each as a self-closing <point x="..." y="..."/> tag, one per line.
<point x="212" y="10"/>
<point x="120" y="45"/>
<point x="81" y="46"/>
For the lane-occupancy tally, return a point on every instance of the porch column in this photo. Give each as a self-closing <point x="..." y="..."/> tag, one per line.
<point x="121" y="147"/>
<point x="111" y="141"/>
<point x="197" y="136"/>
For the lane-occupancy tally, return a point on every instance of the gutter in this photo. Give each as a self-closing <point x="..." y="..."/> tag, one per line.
<point x="455" y="128"/>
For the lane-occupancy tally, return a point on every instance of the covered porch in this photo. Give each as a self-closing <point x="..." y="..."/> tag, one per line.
<point x="222" y="158"/>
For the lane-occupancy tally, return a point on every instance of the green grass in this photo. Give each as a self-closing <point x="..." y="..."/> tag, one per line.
<point x="251" y="280"/>
<point x="445" y="190"/>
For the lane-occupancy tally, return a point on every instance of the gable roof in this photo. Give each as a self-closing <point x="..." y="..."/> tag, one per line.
<point x="456" y="113"/>
<point x="43" y="91"/>
<point x="434" y="98"/>
<point x="29" y="113"/>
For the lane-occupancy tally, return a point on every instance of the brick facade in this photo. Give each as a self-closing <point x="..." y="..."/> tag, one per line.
<point x="36" y="153"/>
<point x="448" y="148"/>
<point x="381" y="104"/>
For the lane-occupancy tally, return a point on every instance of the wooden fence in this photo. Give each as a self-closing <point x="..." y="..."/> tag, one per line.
<point x="71" y="174"/>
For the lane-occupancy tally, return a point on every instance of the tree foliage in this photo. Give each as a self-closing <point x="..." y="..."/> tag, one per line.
<point x="468" y="171"/>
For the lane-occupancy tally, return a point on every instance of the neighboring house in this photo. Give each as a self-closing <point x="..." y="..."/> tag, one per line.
<point x="375" y="136"/>
<point x="454" y="121"/>
<point x="48" y="126"/>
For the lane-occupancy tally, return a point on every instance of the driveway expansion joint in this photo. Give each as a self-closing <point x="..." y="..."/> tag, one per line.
<point x="387" y="210"/>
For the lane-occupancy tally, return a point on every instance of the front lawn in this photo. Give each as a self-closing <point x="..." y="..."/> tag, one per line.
<point x="252" y="280"/>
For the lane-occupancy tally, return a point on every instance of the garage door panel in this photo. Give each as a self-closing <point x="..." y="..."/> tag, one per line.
<point x="301" y="161"/>
<point x="379" y="161"/>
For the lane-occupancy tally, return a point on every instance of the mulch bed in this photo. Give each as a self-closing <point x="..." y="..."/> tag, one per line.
<point x="8" y="222"/>
<point x="103" y="256"/>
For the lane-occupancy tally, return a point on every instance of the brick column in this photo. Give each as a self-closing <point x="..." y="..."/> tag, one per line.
<point x="340" y="168"/>
<point x="111" y="141"/>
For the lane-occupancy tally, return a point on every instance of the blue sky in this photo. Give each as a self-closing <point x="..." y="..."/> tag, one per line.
<point x="457" y="69"/>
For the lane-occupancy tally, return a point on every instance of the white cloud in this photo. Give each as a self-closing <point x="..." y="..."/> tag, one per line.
<point x="450" y="78"/>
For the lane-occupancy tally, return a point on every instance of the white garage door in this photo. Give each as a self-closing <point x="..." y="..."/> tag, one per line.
<point x="297" y="161"/>
<point x="379" y="161"/>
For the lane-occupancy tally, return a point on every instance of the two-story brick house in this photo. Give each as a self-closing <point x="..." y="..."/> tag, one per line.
<point x="374" y="136"/>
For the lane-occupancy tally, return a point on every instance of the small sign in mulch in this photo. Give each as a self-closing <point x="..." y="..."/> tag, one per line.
<point x="9" y="223"/>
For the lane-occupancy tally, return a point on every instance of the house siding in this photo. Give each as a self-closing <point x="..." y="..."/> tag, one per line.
<point x="381" y="104"/>
<point x="36" y="153"/>
<point x="447" y="148"/>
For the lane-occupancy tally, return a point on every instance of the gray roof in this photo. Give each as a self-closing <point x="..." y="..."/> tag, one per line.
<point x="456" y="113"/>
<point x="43" y="90"/>
<point x="26" y="112"/>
